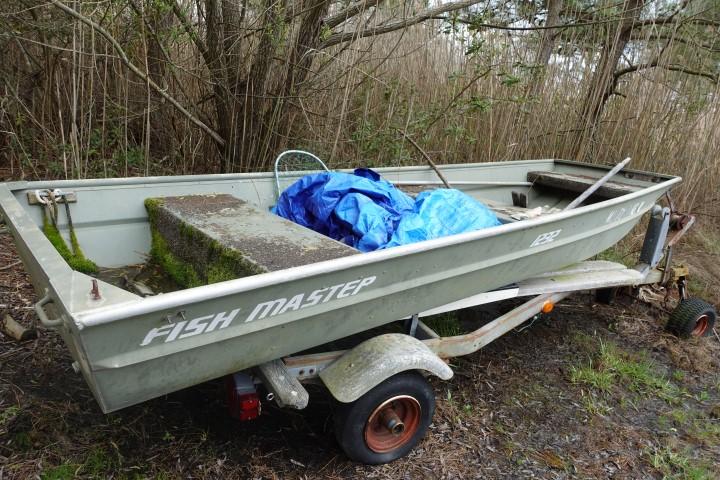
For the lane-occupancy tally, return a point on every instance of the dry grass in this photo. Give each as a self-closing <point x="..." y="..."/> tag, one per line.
<point x="463" y="96"/>
<point x="493" y="119"/>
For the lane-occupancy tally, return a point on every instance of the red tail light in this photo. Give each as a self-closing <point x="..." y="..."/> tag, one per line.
<point x="242" y="398"/>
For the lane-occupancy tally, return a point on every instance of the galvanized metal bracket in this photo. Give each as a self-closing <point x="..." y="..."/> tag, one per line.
<point x="655" y="236"/>
<point x="411" y="325"/>
<point x="286" y="389"/>
<point x="39" y="197"/>
<point x="377" y="359"/>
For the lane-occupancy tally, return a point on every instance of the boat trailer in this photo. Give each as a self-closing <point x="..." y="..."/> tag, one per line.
<point x="375" y="365"/>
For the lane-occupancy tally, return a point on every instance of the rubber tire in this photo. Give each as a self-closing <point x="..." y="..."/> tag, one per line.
<point x="606" y="296"/>
<point x="350" y="418"/>
<point x="684" y="318"/>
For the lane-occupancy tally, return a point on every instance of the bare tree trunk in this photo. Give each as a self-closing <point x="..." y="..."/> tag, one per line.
<point x="158" y="21"/>
<point x="601" y="85"/>
<point x="299" y="66"/>
<point x="252" y="104"/>
<point x="547" y="44"/>
<point x="222" y="96"/>
<point x="528" y="114"/>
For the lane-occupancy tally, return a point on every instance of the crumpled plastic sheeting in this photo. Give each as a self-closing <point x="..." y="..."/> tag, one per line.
<point x="439" y="213"/>
<point x="364" y="211"/>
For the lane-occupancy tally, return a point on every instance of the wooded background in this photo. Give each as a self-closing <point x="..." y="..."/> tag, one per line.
<point x="154" y="87"/>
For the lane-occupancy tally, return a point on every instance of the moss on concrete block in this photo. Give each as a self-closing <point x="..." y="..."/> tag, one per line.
<point x="202" y="239"/>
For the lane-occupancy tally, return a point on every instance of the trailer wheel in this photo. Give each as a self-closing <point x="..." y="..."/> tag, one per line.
<point x="692" y="318"/>
<point x="388" y="421"/>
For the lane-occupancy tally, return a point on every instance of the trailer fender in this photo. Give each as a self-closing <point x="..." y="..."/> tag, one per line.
<point x="375" y="360"/>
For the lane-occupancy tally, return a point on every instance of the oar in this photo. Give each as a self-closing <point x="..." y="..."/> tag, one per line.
<point x="583" y="196"/>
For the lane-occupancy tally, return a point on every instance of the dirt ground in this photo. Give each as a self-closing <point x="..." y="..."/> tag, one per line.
<point x="589" y="391"/>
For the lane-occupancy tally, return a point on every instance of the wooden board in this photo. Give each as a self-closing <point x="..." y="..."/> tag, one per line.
<point x="580" y="183"/>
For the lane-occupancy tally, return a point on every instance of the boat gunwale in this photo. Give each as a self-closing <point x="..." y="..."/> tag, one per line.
<point x="143" y="306"/>
<point x="130" y="181"/>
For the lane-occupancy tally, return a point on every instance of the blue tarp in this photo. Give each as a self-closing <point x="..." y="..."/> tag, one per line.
<point x="369" y="213"/>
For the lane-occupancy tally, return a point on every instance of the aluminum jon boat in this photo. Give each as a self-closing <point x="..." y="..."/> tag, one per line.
<point x="131" y="349"/>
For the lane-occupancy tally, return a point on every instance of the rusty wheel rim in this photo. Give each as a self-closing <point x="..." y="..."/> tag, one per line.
<point x="701" y="326"/>
<point x="383" y="433"/>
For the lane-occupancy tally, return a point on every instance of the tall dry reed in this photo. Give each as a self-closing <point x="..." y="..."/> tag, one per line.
<point x="71" y="109"/>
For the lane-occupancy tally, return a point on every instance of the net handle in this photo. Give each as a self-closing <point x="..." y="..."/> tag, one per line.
<point x="286" y="152"/>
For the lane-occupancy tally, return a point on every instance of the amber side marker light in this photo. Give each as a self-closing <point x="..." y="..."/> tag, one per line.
<point x="547" y="307"/>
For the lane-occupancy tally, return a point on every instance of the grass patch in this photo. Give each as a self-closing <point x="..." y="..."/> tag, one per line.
<point x="675" y="465"/>
<point x="592" y="376"/>
<point x="706" y="430"/>
<point x="445" y="324"/>
<point x="97" y="465"/>
<point x="694" y="423"/>
<point x="680" y="416"/>
<point x="595" y="406"/>
<point x="617" y="254"/>
<point x="98" y="462"/>
<point x="8" y="414"/>
<point x="699" y="289"/>
<point x="66" y="471"/>
<point x="586" y="343"/>
<point x="611" y="367"/>
<point x="709" y="240"/>
<point x="22" y="441"/>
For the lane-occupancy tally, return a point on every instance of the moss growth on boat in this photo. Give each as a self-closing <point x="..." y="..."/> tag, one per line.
<point x="73" y="255"/>
<point x="218" y="273"/>
<point x="197" y="239"/>
<point x="181" y="272"/>
<point x="220" y="263"/>
<point x="223" y="263"/>
<point x="229" y="264"/>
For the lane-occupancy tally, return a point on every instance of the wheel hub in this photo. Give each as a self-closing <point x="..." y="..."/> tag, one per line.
<point x="392" y="423"/>
<point x="701" y="326"/>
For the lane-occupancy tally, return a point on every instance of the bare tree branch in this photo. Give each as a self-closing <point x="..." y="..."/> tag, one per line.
<point x="156" y="37"/>
<point x="124" y="58"/>
<point x="670" y="66"/>
<point x="398" y="25"/>
<point x="641" y="36"/>
<point x="670" y="18"/>
<point x="425" y="155"/>
<point x="591" y="18"/>
<point x="462" y="91"/>
<point x="350" y="11"/>
<point x="189" y="30"/>
<point x="493" y="26"/>
<point x="656" y="22"/>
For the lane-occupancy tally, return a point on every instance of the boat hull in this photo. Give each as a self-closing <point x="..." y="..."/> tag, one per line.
<point x="131" y="349"/>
